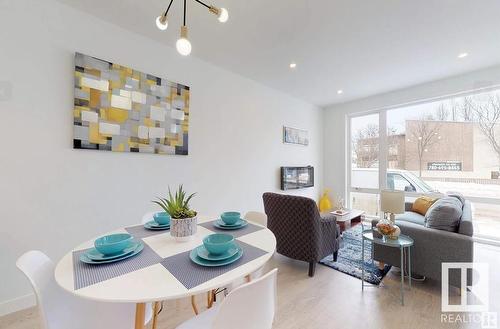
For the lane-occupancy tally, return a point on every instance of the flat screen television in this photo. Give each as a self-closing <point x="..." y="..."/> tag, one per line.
<point x="293" y="178"/>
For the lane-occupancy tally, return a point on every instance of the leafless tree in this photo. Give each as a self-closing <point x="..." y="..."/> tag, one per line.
<point x="466" y="110"/>
<point x="425" y="134"/>
<point x="366" y="145"/>
<point x="442" y="113"/>
<point x="487" y="115"/>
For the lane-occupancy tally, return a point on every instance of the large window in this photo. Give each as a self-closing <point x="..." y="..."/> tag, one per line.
<point x="452" y="144"/>
<point x="364" y="168"/>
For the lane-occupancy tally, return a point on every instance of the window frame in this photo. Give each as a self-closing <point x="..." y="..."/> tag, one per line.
<point x="383" y="152"/>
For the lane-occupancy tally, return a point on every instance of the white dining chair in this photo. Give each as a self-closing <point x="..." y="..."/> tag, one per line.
<point x="256" y="217"/>
<point x="250" y="306"/>
<point x="61" y="310"/>
<point x="147" y="217"/>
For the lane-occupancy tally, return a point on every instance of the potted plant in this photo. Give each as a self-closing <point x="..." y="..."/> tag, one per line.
<point x="183" y="220"/>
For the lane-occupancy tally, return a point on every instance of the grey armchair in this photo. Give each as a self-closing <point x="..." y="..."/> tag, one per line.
<point x="301" y="232"/>
<point x="432" y="247"/>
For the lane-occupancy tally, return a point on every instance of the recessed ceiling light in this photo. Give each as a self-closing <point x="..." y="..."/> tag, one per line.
<point x="340" y="91"/>
<point x="293" y="65"/>
<point x="463" y="55"/>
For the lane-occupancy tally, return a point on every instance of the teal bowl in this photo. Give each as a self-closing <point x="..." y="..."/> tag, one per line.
<point x="218" y="243"/>
<point x="230" y="217"/>
<point x="113" y="244"/>
<point x="162" y="218"/>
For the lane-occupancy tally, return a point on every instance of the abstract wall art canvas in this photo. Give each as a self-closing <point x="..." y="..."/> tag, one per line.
<point x="295" y="136"/>
<point x="120" y="109"/>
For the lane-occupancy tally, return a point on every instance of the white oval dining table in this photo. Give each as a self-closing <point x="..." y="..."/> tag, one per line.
<point x="155" y="283"/>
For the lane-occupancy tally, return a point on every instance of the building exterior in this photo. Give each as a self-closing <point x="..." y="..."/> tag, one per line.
<point x="434" y="149"/>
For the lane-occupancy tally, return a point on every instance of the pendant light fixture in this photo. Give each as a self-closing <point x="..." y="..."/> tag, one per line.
<point x="183" y="44"/>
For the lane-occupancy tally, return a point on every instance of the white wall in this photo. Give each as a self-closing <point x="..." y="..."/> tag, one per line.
<point x="53" y="197"/>
<point x="335" y="116"/>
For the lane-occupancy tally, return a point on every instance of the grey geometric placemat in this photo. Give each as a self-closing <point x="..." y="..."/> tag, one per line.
<point x="192" y="275"/>
<point x="139" y="232"/>
<point x="250" y="228"/>
<point x="86" y="274"/>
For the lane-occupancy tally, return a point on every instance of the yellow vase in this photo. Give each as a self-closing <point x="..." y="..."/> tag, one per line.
<point x="324" y="202"/>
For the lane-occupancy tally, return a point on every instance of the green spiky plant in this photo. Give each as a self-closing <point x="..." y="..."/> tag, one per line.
<point x="177" y="205"/>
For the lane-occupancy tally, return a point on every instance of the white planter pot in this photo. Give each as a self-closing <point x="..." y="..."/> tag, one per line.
<point x="183" y="229"/>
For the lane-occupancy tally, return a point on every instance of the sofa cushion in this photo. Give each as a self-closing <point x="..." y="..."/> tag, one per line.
<point x="412" y="217"/>
<point x="444" y="214"/>
<point x="422" y="204"/>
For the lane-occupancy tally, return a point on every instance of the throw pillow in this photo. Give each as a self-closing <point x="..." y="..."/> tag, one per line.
<point x="422" y="204"/>
<point x="457" y="195"/>
<point x="444" y="214"/>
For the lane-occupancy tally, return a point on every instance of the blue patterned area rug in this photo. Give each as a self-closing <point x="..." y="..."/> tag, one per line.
<point x="349" y="258"/>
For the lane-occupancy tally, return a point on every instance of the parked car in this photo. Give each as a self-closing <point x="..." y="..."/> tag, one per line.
<point x="397" y="179"/>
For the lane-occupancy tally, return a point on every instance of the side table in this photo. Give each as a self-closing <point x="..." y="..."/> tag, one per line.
<point x="403" y="242"/>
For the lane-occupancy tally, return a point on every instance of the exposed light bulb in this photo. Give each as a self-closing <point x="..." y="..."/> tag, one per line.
<point x="293" y="65"/>
<point x="462" y="55"/>
<point x="340" y="91"/>
<point x="223" y="15"/>
<point x="162" y="22"/>
<point x="183" y="45"/>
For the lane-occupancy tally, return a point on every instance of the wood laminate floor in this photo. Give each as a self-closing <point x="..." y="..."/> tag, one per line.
<point x="333" y="300"/>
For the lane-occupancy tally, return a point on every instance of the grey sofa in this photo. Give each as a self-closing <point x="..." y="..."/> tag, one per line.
<point x="301" y="232"/>
<point x="432" y="247"/>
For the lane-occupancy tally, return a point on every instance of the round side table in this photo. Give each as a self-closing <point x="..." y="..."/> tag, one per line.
<point x="402" y="242"/>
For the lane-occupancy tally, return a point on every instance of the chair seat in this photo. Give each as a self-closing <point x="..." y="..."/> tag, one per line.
<point x="202" y="320"/>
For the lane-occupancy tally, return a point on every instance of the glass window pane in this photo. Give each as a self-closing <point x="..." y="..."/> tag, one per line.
<point x="367" y="202"/>
<point x="365" y="151"/>
<point x="448" y="145"/>
<point x="486" y="219"/>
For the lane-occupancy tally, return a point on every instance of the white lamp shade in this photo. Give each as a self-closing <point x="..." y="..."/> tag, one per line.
<point x="392" y="201"/>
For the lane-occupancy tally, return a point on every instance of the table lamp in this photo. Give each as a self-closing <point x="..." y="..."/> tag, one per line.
<point x="392" y="202"/>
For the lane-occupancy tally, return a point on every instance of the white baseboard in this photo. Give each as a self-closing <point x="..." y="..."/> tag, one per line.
<point x="17" y="304"/>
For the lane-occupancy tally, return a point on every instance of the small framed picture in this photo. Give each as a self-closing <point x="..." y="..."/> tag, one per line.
<point x="295" y="136"/>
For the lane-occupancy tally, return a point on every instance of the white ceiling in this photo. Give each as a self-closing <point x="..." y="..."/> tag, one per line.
<point x="363" y="47"/>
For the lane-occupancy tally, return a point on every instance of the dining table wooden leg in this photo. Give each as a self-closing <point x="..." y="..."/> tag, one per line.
<point x="156" y="309"/>
<point x="193" y="305"/>
<point x="210" y="298"/>
<point x="140" y="314"/>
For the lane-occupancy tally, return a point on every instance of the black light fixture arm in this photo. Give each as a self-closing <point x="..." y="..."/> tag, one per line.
<point x="168" y="8"/>
<point x="184" y="12"/>
<point x="203" y="4"/>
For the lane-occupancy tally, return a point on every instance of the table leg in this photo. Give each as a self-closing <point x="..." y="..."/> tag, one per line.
<point x="210" y="298"/>
<point x="140" y="313"/>
<point x="402" y="274"/>
<point x="409" y="267"/>
<point x="155" y="315"/>
<point x="362" y="264"/>
<point x="193" y="305"/>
